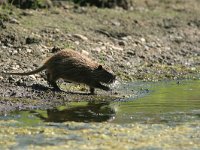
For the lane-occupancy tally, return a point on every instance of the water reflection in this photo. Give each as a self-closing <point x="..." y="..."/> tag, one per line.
<point x="168" y="103"/>
<point x="91" y="112"/>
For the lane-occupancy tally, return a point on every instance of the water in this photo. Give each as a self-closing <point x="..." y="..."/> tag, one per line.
<point x="167" y="102"/>
<point x="163" y="115"/>
<point x="163" y="102"/>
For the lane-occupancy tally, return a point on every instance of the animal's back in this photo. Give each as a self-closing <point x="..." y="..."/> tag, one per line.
<point x="71" y="57"/>
<point x="70" y="65"/>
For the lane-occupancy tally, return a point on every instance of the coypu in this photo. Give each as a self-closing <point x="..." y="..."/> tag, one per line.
<point x="72" y="66"/>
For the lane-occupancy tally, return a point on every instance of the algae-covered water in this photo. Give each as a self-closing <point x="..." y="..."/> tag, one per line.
<point x="163" y="115"/>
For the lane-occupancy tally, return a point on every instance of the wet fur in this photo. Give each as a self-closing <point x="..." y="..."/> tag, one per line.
<point x="74" y="67"/>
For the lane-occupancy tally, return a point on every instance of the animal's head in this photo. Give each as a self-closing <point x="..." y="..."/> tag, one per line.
<point x="104" y="75"/>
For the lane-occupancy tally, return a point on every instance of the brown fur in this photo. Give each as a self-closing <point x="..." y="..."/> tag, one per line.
<point x="74" y="67"/>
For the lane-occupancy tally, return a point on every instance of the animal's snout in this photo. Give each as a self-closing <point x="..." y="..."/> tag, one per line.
<point x="112" y="79"/>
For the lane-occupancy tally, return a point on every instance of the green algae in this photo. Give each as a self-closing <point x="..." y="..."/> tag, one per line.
<point x="104" y="136"/>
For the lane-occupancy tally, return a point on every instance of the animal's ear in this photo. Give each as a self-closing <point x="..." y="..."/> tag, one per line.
<point x="99" y="67"/>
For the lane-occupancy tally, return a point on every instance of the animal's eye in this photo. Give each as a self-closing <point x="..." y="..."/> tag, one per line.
<point x="100" y="67"/>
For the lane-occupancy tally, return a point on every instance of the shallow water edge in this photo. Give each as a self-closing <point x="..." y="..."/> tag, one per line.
<point x="162" y="115"/>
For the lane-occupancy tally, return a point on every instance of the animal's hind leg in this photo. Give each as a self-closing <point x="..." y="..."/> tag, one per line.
<point x="92" y="90"/>
<point x="52" y="81"/>
<point x="55" y="86"/>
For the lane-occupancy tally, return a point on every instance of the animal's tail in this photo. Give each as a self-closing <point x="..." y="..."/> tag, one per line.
<point x="27" y="73"/>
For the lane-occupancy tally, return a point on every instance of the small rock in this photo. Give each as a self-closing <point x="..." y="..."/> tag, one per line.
<point x="85" y="52"/>
<point x="116" y="48"/>
<point x="158" y="45"/>
<point x="4" y="47"/>
<point x="77" y="42"/>
<point x="14" y="52"/>
<point x="146" y="48"/>
<point x="178" y="39"/>
<point x="167" y="48"/>
<point x="19" y="49"/>
<point x="103" y="47"/>
<point x="1" y="78"/>
<point x="131" y="53"/>
<point x="9" y="45"/>
<point x="15" y="67"/>
<point x="97" y="49"/>
<point x="143" y="40"/>
<point x="57" y="30"/>
<point x="110" y="58"/>
<point x="126" y="38"/>
<point x="14" y="21"/>
<point x="29" y="50"/>
<point x="33" y="77"/>
<point x="122" y="43"/>
<point x="82" y="37"/>
<point x="116" y="23"/>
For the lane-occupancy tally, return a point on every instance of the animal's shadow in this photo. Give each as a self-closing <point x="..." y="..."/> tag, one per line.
<point x="43" y="88"/>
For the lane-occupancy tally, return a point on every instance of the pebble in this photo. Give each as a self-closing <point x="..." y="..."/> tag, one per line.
<point x="28" y="50"/>
<point x="146" y="48"/>
<point x="143" y="40"/>
<point x="100" y="49"/>
<point x="14" y="52"/>
<point x="14" y="21"/>
<point x="97" y="49"/>
<point x="57" y="30"/>
<point x="3" y="47"/>
<point x="167" y="48"/>
<point x="126" y="38"/>
<point x="77" y="42"/>
<point x="33" y="77"/>
<point x="85" y="52"/>
<point x="15" y="67"/>
<point x="116" y="23"/>
<point x="122" y="43"/>
<point x="82" y="37"/>
<point x="116" y="48"/>
<point x="1" y="78"/>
